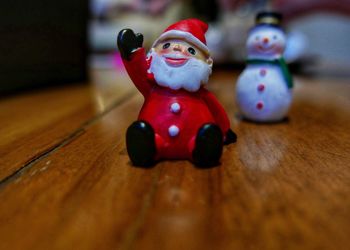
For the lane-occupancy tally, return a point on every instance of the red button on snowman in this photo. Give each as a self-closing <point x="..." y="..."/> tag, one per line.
<point x="264" y="89"/>
<point x="180" y="118"/>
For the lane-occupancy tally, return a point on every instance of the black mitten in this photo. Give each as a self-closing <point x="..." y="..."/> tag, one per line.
<point x="128" y="41"/>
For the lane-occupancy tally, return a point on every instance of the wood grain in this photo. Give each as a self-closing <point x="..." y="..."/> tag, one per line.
<point x="281" y="186"/>
<point x="32" y="124"/>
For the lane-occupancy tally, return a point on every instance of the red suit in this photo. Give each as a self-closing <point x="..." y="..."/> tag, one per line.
<point x="175" y="115"/>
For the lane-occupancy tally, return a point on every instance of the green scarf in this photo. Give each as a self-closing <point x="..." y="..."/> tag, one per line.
<point x="279" y="62"/>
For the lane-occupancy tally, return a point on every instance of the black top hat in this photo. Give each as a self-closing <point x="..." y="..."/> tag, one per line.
<point x="268" y="18"/>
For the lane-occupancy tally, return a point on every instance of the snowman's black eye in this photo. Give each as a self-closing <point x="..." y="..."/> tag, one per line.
<point x="166" y="45"/>
<point x="191" y="50"/>
<point x="257" y="38"/>
<point x="274" y="37"/>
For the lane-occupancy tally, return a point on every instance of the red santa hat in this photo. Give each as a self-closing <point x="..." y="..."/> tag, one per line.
<point x="191" y="30"/>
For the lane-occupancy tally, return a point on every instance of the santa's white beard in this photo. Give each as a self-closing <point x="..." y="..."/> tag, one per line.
<point x="189" y="76"/>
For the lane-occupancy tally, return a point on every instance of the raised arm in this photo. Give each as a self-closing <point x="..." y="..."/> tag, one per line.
<point x="220" y="116"/>
<point x="134" y="59"/>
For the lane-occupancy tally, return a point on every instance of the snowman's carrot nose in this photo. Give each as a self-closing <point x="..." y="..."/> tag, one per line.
<point x="265" y="40"/>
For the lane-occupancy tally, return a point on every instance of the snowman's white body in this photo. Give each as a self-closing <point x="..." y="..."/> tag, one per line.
<point x="262" y="92"/>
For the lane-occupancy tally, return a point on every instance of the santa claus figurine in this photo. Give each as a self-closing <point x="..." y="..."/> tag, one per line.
<point x="179" y="119"/>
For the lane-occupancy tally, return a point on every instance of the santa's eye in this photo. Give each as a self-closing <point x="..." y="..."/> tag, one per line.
<point x="166" y="45"/>
<point x="191" y="50"/>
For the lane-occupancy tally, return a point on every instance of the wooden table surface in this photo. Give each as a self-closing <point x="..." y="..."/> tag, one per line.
<point x="67" y="182"/>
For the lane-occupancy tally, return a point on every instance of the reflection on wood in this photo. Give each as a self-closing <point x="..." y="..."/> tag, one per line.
<point x="281" y="186"/>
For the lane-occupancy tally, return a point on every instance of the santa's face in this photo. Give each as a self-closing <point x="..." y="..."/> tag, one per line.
<point x="177" y="64"/>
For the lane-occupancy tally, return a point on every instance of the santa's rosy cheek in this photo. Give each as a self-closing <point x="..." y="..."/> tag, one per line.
<point x="164" y="51"/>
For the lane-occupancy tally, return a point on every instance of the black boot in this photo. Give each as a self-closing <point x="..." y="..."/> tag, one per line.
<point x="140" y="144"/>
<point x="208" y="146"/>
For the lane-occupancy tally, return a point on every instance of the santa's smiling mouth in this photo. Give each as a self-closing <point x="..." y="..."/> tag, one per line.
<point x="175" y="61"/>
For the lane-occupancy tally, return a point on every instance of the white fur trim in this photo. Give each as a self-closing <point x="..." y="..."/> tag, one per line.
<point x="182" y="34"/>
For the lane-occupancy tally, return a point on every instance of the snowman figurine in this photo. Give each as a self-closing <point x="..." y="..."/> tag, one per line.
<point x="264" y="89"/>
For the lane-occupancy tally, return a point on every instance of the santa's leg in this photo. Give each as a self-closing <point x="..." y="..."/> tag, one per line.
<point x="140" y="144"/>
<point x="206" y="146"/>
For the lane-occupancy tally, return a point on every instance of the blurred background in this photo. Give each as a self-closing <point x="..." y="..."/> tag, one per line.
<point x="48" y="43"/>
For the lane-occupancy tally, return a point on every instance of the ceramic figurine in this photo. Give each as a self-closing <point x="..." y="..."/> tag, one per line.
<point x="264" y="89"/>
<point x="180" y="118"/>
